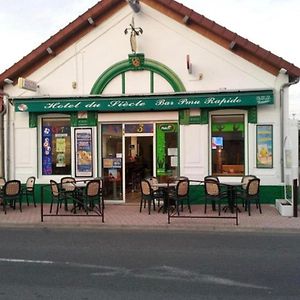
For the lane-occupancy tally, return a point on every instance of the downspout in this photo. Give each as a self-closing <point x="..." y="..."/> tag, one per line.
<point x="2" y="146"/>
<point x="282" y="112"/>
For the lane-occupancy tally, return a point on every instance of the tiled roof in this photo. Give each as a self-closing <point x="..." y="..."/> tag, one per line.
<point x="195" y="21"/>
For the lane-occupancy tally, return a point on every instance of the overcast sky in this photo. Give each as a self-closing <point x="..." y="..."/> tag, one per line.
<point x="272" y="24"/>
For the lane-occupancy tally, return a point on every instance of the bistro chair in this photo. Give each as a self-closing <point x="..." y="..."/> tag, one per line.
<point x="11" y="193"/>
<point x="241" y="190"/>
<point x="68" y="186"/>
<point x="28" y="190"/>
<point x="100" y="179"/>
<point x="245" y="179"/>
<point x="147" y="196"/>
<point x="211" y="177"/>
<point x="181" y="194"/>
<point x="56" y="195"/>
<point x="214" y="194"/>
<point x="92" y="198"/>
<point x="251" y="194"/>
<point x="158" y="193"/>
<point x="215" y="178"/>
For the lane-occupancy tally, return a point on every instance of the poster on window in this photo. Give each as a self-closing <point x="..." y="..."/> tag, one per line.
<point x="264" y="142"/>
<point x="47" y="150"/>
<point x="84" y="158"/>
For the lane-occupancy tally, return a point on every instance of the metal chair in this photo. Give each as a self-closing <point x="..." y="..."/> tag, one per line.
<point x="214" y="194"/>
<point x="211" y="177"/>
<point x="100" y="179"/>
<point x="68" y="186"/>
<point x="56" y="195"/>
<point x="11" y="193"/>
<point x="158" y="193"/>
<point x="28" y="190"/>
<point x="251" y="194"/>
<point x="92" y="198"/>
<point x="245" y="179"/>
<point x="147" y="195"/>
<point x="215" y="178"/>
<point x="181" y="194"/>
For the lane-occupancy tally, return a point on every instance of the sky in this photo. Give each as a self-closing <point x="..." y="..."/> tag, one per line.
<point x="272" y="24"/>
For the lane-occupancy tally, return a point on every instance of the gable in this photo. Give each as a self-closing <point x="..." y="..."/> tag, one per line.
<point x="105" y="9"/>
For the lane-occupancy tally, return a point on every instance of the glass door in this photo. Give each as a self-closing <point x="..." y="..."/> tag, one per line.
<point x="166" y="151"/>
<point x="112" y="161"/>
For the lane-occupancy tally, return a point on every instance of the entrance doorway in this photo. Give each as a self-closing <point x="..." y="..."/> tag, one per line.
<point x="132" y="151"/>
<point x="138" y="164"/>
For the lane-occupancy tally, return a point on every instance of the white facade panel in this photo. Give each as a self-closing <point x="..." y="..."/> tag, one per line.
<point x="25" y="154"/>
<point x="137" y="82"/>
<point x="114" y="87"/>
<point x="193" y="151"/>
<point x="161" y="85"/>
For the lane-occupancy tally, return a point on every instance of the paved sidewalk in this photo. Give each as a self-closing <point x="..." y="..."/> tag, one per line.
<point x="128" y="216"/>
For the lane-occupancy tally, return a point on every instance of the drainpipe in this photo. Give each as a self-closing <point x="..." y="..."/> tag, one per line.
<point x="282" y="112"/>
<point x="2" y="146"/>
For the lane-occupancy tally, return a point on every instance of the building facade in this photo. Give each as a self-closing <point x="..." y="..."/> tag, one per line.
<point x="151" y="88"/>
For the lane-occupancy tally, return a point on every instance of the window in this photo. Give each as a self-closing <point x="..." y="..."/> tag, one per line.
<point x="227" y="144"/>
<point x="56" y="146"/>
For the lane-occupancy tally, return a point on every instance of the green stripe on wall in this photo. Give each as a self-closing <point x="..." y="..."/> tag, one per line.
<point x="268" y="194"/>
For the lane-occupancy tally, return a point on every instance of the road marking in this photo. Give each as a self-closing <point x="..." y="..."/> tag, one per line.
<point x="172" y="273"/>
<point x="159" y="273"/>
<point x="15" y="260"/>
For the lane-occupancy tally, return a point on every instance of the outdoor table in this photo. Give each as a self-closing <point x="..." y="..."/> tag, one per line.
<point x="232" y="196"/>
<point x="165" y="186"/>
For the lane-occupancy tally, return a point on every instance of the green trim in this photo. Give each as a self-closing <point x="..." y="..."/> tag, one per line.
<point x="204" y="116"/>
<point x="195" y="120"/>
<point x="91" y="119"/>
<point x="73" y="116"/>
<point x="123" y="83"/>
<point x="252" y="114"/>
<point x="268" y="194"/>
<point x="184" y="116"/>
<point x="151" y="82"/>
<point x="33" y="120"/>
<point x="251" y="110"/>
<point x="145" y="64"/>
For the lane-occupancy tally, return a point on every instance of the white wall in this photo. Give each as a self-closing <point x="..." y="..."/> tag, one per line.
<point x="168" y="42"/>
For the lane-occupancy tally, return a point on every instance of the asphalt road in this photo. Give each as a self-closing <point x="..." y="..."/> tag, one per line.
<point x="138" y="264"/>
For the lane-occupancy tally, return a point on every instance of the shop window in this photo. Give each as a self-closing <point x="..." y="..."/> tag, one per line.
<point x="227" y="144"/>
<point x="56" y="146"/>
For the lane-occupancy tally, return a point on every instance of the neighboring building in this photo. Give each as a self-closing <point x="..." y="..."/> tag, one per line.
<point x="157" y="89"/>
